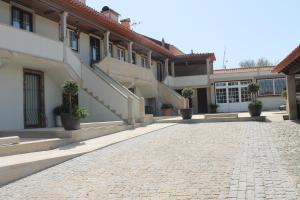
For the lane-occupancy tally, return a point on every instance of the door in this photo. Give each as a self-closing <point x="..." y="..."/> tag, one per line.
<point x="33" y="99"/>
<point x="202" y="100"/>
<point x="95" y="50"/>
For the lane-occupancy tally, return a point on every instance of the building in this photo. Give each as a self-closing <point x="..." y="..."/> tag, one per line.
<point x="290" y="66"/>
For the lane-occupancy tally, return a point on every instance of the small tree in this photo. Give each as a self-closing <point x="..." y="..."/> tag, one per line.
<point x="187" y="93"/>
<point x="70" y="88"/>
<point x="253" y="88"/>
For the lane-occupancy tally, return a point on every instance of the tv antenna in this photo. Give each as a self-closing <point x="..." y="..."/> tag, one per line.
<point x="135" y="24"/>
<point x="224" y="59"/>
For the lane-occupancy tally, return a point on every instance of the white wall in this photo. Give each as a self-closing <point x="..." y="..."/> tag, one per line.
<point x="53" y="98"/>
<point x="97" y="112"/>
<point x="84" y="48"/>
<point x="272" y="103"/>
<point x="11" y="101"/>
<point x="4" y="12"/>
<point x="46" y="27"/>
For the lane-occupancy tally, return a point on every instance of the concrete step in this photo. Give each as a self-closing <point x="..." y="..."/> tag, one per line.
<point x="221" y="115"/>
<point x="89" y="131"/>
<point x="18" y="166"/>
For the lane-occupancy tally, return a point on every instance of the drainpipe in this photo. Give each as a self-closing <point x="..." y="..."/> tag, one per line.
<point x="63" y="33"/>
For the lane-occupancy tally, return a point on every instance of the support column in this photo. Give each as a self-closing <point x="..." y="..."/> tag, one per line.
<point x="142" y="110"/>
<point x="131" y="118"/>
<point x="106" y="44"/>
<point x="166" y="67"/>
<point x="173" y="69"/>
<point x="63" y="27"/>
<point x="291" y="96"/>
<point x="130" y="52"/>
<point x="149" y="59"/>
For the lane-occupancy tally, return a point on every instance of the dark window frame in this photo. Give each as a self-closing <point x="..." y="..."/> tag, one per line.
<point x="22" y="13"/>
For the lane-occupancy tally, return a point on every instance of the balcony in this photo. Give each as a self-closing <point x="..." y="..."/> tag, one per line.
<point x="125" y="72"/>
<point x="187" y="81"/>
<point x="20" y="41"/>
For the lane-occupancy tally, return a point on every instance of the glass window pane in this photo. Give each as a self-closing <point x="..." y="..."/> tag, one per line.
<point x="221" y="84"/>
<point x="279" y="85"/>
<point x="16" y="18"/>
<point x="245" y="95"/>
<point x="221" y="95"/>
<point x="233" y="83"/>
<point x="233" y="95"/>
<point x="265" y="87"/>
<point x="26" y="22"/>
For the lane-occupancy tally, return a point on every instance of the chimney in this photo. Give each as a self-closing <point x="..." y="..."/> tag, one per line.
<point x="110" y="13"/>
<point x="126" y="23"/>
<point x="82" y="1"/>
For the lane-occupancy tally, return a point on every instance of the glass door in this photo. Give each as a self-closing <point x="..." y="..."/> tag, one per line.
<point x="95" y="50"/>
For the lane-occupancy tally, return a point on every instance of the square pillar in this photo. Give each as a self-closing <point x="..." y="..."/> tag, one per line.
<point x="130" y="52"/>
<point x="63" y="27"/>
<point x="291" y="96"/>
<point x="173" y="69"/>
<point x="106" y="44"/>
<point x="149" y="59"/>
<point x="166" y="67"/>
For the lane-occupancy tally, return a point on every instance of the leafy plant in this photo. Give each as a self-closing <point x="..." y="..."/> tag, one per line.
<point x="70" y="88"/>
<point x="212" y="105"/>
<point x="187" y="93"/>
<point x="284" y="94"/>
<point x="167" y="106"/>
<point x="79" y="113"/>
<point x="255" y="104"/>
<point x="253" y="88"/>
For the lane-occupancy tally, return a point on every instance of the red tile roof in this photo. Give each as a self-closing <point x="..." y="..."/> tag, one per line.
<point x="98" y="17"/>
<point x="194" y="56"/>
<point x="295" y="54"/>
<point x="243" y="70"/>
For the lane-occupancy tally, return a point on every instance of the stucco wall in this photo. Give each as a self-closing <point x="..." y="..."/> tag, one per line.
<point x="97" y="112"/>
<point x="271" y="103"/>
<point x="4" y="12"/>
<point x="46" y="27"/>
<point x="11" y="104"/>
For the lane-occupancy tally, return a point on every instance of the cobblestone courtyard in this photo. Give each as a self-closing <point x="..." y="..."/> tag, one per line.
<point x="247" y="160"/>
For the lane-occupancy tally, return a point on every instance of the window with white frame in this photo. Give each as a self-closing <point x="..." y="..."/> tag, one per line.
<point x="233" y="95"/>
<point x="121" y="54"/>
<point x="73" y="39"/>
<point x="271" y="87"/>
<point x="221" y="96"/>
<point x="245" y="94"/>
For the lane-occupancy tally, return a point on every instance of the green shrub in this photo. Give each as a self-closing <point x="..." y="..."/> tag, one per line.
<point x="284" y="94"/>
<point x="80" y="113"/>
<point x="187" y="93"/>
<point x="167" y="106"/>
<point x="255" y="104"/>
<point x="70" y="87"/>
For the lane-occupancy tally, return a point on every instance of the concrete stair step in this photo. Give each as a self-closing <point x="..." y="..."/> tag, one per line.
<point x="18" y="166"/>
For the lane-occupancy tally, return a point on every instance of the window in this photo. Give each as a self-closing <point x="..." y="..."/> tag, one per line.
<point x="111" y="49"/>
<point x="233" y="83"/>
<point x="221" y="95"/>
<point x="245" y="95"/>
<point x="270" y="87"/>
<point x="221" y="84"/>
<point x="22" y="19"/>
<point x="73" y="40"/>
<point x="298" y="85"/>
<point x="233" y="95"/>
<point x="121" y="54"/>
<point x="144" y="62"/>
<point x="133" y="58"/>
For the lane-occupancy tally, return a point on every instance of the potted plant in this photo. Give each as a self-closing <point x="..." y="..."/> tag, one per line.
<point x="167" y="109"/>
<point x="71" y="116"/>
<point x="187" y="113"/>
<point x="213" y="108"/>
<point x="255" y="106"/>
<point x="57" y="115"/>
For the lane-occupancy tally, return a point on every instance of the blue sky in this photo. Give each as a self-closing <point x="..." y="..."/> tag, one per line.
<point x="249" y="29"/>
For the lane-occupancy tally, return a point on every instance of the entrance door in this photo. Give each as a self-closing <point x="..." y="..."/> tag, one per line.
<point x="202" y="100"/>
<point x="33" y="99"/>
<point x="95" y="50"/>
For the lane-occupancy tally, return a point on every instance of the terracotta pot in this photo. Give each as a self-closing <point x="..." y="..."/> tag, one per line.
<point x="168" y="112"/>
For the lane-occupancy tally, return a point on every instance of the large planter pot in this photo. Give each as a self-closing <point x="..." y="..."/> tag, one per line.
<point x="58" y="122"/>
<point x="213" y="109"/>
<point x="255" y="111"/>
<point x="186" y="113"/>
<point x="168" y="112"/>
<point x="69" y="122"/>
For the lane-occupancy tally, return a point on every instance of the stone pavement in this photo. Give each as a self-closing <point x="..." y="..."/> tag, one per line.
<point x="242" y="160"/>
